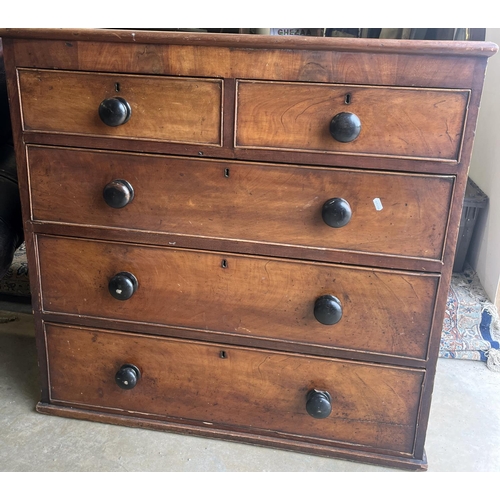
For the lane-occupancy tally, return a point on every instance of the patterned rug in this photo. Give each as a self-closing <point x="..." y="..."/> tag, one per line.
<point x="15" y="282"/>
<point x="471" y="327"/>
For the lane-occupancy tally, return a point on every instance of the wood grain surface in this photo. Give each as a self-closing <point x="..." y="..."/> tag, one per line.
<point x="393" y="214"/>
<point x="383" y="311"/>
<point x="373" y="406"/>
<point x="423" y="63"/>
<point x="168" y="109"/>
<point x="413" y="122"/>
<point x="229" y="153"/>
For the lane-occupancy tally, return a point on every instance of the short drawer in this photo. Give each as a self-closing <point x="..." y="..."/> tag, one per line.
<point x="323" y="208"/>
<point x="262" y="391"/>
<point x="253" y="297"/>
<point x="184" y="110"/>
<point x="393" y="121"/>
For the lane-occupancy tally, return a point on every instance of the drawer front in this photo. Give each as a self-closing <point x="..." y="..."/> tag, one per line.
<point x="401" y="122"/>
<point x="212" y="384"/>
<point x="379" y="311"/>
<point x="392" y="214"/>
<point x="186" y="110"/>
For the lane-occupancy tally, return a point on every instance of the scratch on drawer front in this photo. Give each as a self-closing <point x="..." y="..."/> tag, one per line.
<point x="378" y="204"/>
<point x="310" y="203"/>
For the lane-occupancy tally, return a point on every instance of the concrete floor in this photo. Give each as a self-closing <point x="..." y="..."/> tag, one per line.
<point x="463" y="434"/>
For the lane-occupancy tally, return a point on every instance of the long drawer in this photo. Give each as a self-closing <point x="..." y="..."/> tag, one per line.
<point x="284" y="300"/>
<point x="373" y="406"/>
<point x="174" y="109"/>
<point x="413" y="122"/>
<point x="378" y="212"/>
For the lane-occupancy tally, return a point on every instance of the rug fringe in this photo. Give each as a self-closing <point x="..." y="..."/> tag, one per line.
<point x="493" y="360"/>
<point x="495" y="319"/>
<point x="469" y="279"/>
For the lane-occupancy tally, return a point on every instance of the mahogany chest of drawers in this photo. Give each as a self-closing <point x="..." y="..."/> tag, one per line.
<point x="243" y="237"/>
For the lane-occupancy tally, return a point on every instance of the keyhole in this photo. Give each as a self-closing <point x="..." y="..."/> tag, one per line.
<point x="223" y="264"/>
<point x="226" y="172"/>
<point x="347" y="99"/>
<point x="223" y="354"/>
<point x="117" y="87"/>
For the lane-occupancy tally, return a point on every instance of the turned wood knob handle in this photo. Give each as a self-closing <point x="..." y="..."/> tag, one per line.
<point x="115" y="111"/>
<point x="127" y="376"/>
<point x="345" y="127"/>
<point x="122" y="286"/>
<point x="118" y="193"/>
<point x="336" y="212"/>
<point x="318" y="403"/>
<point x="328" y="309"/>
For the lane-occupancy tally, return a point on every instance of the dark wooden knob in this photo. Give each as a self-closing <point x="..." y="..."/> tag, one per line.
<point x="115" y="111"/>
<point x="345" y="127"/>
<point x="336" y="212"/>
<point x="318" y="403"/>
<point x="122" y="286"/>
<point x="118" y="193"/>
<point x="328" y="309"/>
<point x="127" y="376"/>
